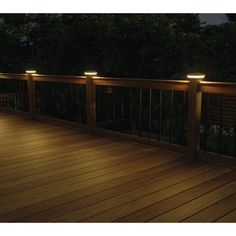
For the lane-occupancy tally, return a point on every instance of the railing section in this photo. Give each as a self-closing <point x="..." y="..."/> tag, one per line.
<point x="200" y="115"/>
<point x="218" y="120"/>
<point x="14" y="92"/>
<point x="63" y="99"/>
<point x="156" y="111"/>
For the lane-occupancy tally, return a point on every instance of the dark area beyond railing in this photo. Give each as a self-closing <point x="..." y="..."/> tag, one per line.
<point x="61" y="100"/>
<point x="152" y="113"/>
<point x="195" y="117"/>
<point x="218" y="122"/>
<point x="14" y="94"/>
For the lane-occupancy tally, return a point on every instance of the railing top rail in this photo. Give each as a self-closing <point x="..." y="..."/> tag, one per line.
<point x="180" y="85"/>
<point x="228" y="88"/>
<point x="13" y="76"/>
<point x="60" y="78"/>
<point x="49" y="78"/>
<point x="141" y="79"/>
<point x="218" y="83"/>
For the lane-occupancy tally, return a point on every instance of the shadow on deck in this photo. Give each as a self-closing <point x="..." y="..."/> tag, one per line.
<point x="55" y="174"/>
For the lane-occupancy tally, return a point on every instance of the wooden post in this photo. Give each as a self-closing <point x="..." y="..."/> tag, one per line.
<point x="194" y="117"/>
<point x="31" y="95"/>
<point x="91" y="103"/>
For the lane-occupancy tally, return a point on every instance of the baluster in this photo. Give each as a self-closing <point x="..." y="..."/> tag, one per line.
<point x="140" y="112"/>
<point x="160" y="114"/>
<point x="171" y="116"/>
<point x="206" y="121"/>
<point x="220" y="125"/>
<point x="131" y="111"/>
<point x="150" y="114"/>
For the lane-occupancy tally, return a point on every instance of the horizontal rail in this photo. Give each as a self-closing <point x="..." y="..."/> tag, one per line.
<point x="60" y="79"/>
<point x="179" y="85"/>
<point x="13" y="76"/>
<point x="217" y="87"/>
<point x="46" y="78"/>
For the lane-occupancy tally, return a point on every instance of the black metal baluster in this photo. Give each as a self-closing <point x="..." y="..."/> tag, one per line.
<point x="75" y="102"/>
<point x="113" y="106"/>
<point x="234" y="139"/>
<point x="122" y="105"/>
<point x="140" y="111"/>
<point x="8" y="95"/>
<point x="23" y="95"/>
<point x="8" y="92"/>
<point x="150" y="113"/>
<point x="72" y="107"/>
<point x="0" y="93"/>
<point x="36" y="97"/>
<point x="19" y="95"/>
<point x="14" y="100"/>
<point x="16" y="92"/>
<point x="11" y="96"/>
<point x="206" y="121"/>
<point x="98" y="108"/>
<point x="44" y="95"/>
<point x="183" y="119"/>
<point x="7" y="89"/>
<point x="160" y="114"/>
<point x="131" y="111"/>
<point x="4" y="94"/>
<point x="220" y="127"/>
<point x="171" y="116"/>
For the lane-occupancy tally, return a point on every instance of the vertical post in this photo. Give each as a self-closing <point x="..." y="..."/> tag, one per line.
<point x="31" y="93"/>
<point x="194" y="115"/>
<point x="91" y="101"/>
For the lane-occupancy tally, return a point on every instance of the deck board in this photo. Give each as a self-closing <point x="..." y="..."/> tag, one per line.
<point x="56" y="174"/>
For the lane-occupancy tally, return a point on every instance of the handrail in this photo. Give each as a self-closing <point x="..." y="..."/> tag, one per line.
<point x="227" y="88"/>
<point x="181" y="85"/>
<point x="59" y="78"/>
<point x="13" y="76"/>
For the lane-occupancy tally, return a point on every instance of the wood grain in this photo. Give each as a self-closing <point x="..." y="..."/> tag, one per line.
<point x="55" y="174"/>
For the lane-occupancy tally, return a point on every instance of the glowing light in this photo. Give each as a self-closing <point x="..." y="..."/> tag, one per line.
<point x="90" y="73"/>
<point x="30" y="71"/>
<point x="196" y="76"/>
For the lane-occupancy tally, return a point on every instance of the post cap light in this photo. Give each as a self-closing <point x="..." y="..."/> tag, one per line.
<point x="30" y="71"/>
<point x="90" y="73"/>
<point x="196" y="76"/>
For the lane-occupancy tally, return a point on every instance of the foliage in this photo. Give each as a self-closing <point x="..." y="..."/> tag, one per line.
<point x="159" y="46"/>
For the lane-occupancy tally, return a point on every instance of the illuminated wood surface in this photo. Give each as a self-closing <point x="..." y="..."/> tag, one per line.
<point x="54" y="174"/>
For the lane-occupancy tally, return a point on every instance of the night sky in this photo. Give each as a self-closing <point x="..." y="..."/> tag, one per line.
<point x="213" y="19"/>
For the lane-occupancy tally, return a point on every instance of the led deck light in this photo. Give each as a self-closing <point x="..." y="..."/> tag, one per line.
<point x="196" y="76"/>
<point x="30" y="71"/>
<point x="90" y="73"/>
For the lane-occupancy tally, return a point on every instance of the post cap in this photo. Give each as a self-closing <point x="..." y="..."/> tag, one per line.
<point x="196" y="76"/>
<point x="30" y="71"/>
<point x="90" y="73"/>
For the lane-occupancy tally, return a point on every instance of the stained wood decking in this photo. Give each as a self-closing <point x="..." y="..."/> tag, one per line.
<point x="55" y="174"/>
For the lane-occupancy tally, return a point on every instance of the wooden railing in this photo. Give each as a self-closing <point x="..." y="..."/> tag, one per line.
<point x="218" y="122"/>
<point x="172" y="114"/>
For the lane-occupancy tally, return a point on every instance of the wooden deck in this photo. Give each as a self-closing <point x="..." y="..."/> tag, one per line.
<point x="55" y="174"/>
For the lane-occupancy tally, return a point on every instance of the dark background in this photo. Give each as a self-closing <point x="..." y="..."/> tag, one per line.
<point x="157" y="46"/>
